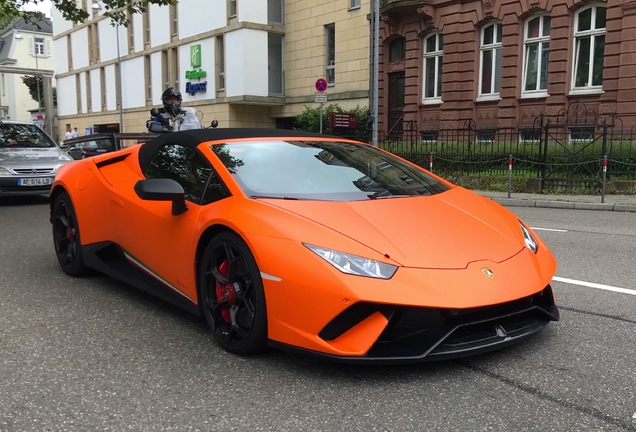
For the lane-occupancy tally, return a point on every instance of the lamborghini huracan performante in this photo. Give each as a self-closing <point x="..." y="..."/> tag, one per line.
<point x="306" y="242"/>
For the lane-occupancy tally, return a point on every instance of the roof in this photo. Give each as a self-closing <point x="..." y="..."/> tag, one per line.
<point x="32" y="24"/>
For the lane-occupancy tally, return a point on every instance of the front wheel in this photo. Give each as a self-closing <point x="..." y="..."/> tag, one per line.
<point x="232" y="296"/>
<point x="66" y="236"/>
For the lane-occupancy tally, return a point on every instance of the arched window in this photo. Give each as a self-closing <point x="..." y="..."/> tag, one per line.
<point x="432" y="67"/>
<point x="536" y="49"/>
<point x="490" y="61"/>
<point x="397" y="50"/>
<point x="589" y="48"/>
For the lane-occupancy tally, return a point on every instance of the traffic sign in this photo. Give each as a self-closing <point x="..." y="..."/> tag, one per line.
<point x="320" y="97"/>
<point x="321" y="85"/>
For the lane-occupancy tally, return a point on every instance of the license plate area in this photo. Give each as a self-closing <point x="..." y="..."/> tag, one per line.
<point x="35" y="181"/>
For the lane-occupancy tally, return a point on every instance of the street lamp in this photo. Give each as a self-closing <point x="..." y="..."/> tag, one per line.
<point x="96" y="7"/>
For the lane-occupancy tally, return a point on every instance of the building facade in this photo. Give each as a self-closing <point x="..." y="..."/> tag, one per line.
<point x="24" y="45"/>
<point x="502" y="63"/>
<point x="242" y="62"/>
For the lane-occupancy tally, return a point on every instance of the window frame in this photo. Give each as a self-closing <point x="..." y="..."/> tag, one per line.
<point x="330" y="54"/>
<point x="593" y="34"/>
<point x="437" y="57"/>
<point x="495" y="62"/>
<point x="538" y="42"/>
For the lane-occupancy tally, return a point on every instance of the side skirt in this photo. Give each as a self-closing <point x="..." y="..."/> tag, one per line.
<point x="109" y="258"/>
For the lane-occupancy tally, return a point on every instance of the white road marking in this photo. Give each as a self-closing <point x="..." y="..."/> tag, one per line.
<point x="595" y="285"/>
<point x="548" y="229"/>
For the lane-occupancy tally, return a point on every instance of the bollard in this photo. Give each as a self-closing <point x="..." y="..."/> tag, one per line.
<point x="604" y="179"/>
<point x="509" y="176"/>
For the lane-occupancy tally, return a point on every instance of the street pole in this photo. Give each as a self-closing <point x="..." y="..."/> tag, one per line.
<point x="375" y="74"/>
<point x="121" y="100"/>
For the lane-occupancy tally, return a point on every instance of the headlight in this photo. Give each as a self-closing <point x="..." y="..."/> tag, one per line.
<point x="529" y="240"/>
<point x="4" y="172"/>
<point x="353" y="264"/>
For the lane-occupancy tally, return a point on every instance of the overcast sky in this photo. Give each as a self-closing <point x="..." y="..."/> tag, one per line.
<point x="44" y="7"/>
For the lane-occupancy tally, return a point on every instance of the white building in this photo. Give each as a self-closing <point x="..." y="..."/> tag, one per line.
<point x="242" y="62"/>
<point x="23" y="45"/>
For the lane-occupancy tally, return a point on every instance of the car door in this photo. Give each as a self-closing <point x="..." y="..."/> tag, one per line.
<point x="152" y="237"/>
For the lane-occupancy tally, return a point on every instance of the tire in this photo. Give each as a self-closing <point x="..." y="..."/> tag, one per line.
<point x="66" y="236"/>
<point x="231" y="295"/>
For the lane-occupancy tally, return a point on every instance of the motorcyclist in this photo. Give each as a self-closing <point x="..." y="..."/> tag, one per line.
<point x="172" y="117"/>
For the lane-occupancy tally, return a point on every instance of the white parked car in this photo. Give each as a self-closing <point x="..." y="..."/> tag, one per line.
<point x="29" y="159"/>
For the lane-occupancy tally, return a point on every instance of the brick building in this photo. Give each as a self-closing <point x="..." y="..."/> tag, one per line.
<point x="502" y="63"/>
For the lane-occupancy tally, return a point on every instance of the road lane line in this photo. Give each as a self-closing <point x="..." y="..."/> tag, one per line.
<point x="595" y="285"/>
<point x="548" y="229"/>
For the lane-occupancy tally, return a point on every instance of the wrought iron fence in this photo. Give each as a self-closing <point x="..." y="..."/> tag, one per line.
<point x="573" y="146"/>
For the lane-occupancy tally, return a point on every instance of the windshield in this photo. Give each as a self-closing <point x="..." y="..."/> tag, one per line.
<point x="323" y="171"/>
<point x="23" y="136"/>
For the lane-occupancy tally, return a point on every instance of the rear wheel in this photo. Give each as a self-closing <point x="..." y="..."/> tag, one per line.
<point x="66" y="236"/>
<point x="232" y="296"/>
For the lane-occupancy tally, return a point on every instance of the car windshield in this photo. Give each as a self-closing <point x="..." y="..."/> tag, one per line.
<point x="320" y="170"/>
<point x="23" y="136"/>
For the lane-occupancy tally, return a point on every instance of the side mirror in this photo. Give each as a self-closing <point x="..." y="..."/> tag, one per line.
<point x="154" y="112"/>
<point x="163" y="190"/>
<point x="214" y="123"/>
<point x="157" y="128"/>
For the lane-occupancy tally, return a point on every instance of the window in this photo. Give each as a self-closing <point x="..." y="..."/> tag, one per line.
<point x="589" y="48"/>
<point x="69" y="52"/>
<point x="89" y="93"/>
<point x="146" y="21"/>
<point x="174" y="67"/>
<point x="220" y="63"/>
<point x="38" y="46"/>
<point x="529" y="135"/>
<point x="581" y="133"/>
<point x="102" y="83"/>
<point x="433" y="51"/>
<point x="131" y="32"/>
<point x="536" y="51"/>
<point x="275" y="12"/>
<point x="354" y="4"/>
<point x="490" y="61"/>
<point x="165" y="69"/>
<point x="275" y="64"/>
<point x="148" y="77"/>
<point x="232" y="9"/>
<point x="330" y="46"/>
<point x="78" y="93"/>
<point x="397" y="50"/>
<point x="174" y="20"/>
<point x="191" y="170"/>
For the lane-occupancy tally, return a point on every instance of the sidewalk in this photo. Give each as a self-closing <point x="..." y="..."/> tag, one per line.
<point x="624" y="203"/>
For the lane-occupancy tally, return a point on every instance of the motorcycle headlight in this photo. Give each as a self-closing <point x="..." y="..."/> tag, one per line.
<point x="353" y="264"/>
<point x="528" y="238"/>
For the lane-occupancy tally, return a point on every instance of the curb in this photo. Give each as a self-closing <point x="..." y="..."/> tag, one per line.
<point x="512" y="202"/>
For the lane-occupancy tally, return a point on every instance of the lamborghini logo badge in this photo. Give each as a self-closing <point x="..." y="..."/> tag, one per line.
<point x="488" y="272"/>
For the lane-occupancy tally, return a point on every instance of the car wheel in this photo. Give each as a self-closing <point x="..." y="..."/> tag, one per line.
<point x="66" y="236"/>
<point x="232" y="296"/>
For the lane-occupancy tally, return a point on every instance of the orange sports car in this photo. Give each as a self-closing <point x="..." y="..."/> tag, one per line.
<point x="306" y="242"/>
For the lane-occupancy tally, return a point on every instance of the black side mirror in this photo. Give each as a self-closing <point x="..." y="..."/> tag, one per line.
<point x="154" y="112"/>
<point x="163" y="189"/>
<point x="214" y="123"/>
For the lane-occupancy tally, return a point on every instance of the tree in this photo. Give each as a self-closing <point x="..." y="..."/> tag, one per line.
<point x="117" y="10"/>
<point x="309" y="119"/>
<point x="32" y="83"/>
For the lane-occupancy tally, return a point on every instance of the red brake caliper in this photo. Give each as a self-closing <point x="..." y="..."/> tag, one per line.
<point x="225" y="292"/>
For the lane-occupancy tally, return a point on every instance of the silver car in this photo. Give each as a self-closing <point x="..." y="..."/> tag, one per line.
<point x="29" y="159"/>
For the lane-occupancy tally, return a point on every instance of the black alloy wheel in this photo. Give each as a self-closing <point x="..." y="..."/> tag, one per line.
<point x="66" y="236"/>
<point x="231" y="295"/>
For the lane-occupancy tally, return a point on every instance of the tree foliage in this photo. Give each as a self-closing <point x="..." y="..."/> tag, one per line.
<point x="117" y="10"/>
<point x="309" y="119"/>
<point x="32" y="83"/>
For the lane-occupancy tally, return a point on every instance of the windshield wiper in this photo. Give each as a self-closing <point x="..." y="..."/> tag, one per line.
<point x="273" y="197"/>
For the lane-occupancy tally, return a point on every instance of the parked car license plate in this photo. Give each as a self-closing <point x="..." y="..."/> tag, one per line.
<point x="35" y="181"/>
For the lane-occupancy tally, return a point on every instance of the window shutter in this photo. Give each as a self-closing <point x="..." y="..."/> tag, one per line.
<point x="47" y="48"/>
<point x="31" y="46"/>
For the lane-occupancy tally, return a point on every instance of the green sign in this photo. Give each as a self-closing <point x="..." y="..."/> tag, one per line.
<point x="195" y="56"/>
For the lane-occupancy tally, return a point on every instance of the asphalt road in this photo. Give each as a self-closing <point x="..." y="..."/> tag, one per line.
<point x="92" y="354"/>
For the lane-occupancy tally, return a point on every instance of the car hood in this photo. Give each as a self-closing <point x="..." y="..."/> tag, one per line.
<point x="443" y="231"/>
<point x="46" y="157"/>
